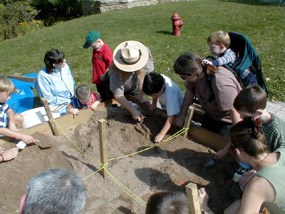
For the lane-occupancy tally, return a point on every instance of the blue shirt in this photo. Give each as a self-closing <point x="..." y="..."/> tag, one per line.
<point x="57" y="87"/>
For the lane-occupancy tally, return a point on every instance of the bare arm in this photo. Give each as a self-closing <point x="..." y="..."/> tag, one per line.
<point x="10" y="133"/>
<point x="136" y="114"/>
<point x="165" y="129"/>
<point x="187" y="101"/>
<point x="235" y="117"/>
<point x="254" y="196"/>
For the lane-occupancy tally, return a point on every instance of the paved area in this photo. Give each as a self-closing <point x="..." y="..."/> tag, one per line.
<point x="277" y="108"/>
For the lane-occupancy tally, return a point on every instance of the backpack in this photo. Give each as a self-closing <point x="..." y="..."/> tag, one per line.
<point x="247" y="58"/>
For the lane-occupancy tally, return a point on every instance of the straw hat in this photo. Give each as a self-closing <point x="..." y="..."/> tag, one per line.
<point x="130" y="56"/>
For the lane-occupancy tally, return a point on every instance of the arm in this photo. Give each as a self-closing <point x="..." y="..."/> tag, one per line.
<point x="235" y="117"/>
<point x="228" y="57"/>
<point x="165" y="129"/>
<point x="12" y="125"/>
<point x="254" y="196"/>
<point x="153" y="105"/>
<point x="9" y="133"/>
<point x="222" y="152"/>
<point x="136" y="114"/>
<point x="187" y="101"/>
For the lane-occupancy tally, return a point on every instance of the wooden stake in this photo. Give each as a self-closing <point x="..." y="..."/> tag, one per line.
<point x="52" y="123"/>
<point x="102" y="139"/>
<point x="193" y="197"/>
<point x="188" y="119"/>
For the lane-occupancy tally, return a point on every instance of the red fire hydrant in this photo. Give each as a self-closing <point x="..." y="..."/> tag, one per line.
<point x="177" y="24"/>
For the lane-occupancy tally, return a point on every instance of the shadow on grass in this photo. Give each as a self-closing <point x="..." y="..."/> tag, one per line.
<point x="164" y="32"/>
<point x="257" y="2"/>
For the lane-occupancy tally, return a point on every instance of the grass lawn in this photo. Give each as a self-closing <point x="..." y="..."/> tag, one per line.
<point x="263" y="24"/>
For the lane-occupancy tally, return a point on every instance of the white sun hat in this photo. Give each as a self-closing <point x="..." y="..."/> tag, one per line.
<point x="130" y="56"/>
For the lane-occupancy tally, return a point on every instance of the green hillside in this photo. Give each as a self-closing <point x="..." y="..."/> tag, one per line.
<point x="263" y="24"/>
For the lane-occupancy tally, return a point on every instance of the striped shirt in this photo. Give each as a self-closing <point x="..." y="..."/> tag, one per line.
<point x="274" y="132"/>
<point x="3" y="114"/>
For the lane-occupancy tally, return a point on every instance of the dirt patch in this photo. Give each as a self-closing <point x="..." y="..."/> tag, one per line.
<point x="141" y="173"/>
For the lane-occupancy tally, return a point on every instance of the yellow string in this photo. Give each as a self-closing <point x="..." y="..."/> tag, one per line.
<point x="181" y="131"/>
<point x="127" y="191"/>
<point x="65" y="135"/>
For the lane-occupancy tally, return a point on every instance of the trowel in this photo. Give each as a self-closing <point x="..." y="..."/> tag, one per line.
<point x="41" y="140"/>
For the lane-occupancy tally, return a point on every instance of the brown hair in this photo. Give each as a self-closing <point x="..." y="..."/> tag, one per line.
<point x="7" y="86"/>
<point x="83" y="92"/>
<point x="219" y="38"/>
<point x="187" y="64"/>
<point x="167" y="203"/>
<point x="247" y="136"/>
<point x="251" y="99"/>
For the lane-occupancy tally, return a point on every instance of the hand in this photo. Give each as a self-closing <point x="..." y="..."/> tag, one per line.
<point x="203" y="199"/>
<point x="158" y="138"/>
<point x="9" y="154"/>
<point x="28" y="139"/>
<point x="246" y="177"/>
<point x="206" y="62"/>
<point x="73" y="111"/>
<point x="221" y="153"/>
<point x="137" y="116"/>
<point x="2" y="150"/>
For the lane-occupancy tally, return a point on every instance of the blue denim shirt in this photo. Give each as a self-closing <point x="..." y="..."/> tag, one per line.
<point x="57" y="87"/>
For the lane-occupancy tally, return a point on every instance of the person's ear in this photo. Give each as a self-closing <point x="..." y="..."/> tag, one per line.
<point x="22" y="203"/>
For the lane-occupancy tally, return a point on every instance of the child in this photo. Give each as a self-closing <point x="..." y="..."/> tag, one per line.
<point x="251" y="102"/>
<point x="219" y="43"/>
<point x="84" y="99"/>
<point x="162" y="88"/>
<point x="175" y="203"/>
<point x="102" y="59"/>
<point x="9" y="121"/>
<point x="167" y="203"/>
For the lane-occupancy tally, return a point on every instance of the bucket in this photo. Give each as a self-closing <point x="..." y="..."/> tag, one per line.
<point x="36" y="116"/>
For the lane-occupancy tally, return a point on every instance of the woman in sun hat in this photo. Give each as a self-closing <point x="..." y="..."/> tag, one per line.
<point x="131" y="61"/>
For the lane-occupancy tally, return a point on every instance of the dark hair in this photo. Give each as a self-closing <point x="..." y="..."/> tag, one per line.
<point x="249" y="137"/>
<point x="167" y="203"/>
<point x="251" y="99"/>
<point x="54" y="56"/>
<point x="153" y="83"/>
<point x="187" y="64"/>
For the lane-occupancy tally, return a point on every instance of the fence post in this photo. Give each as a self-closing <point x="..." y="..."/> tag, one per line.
<point x="102" y="140"/>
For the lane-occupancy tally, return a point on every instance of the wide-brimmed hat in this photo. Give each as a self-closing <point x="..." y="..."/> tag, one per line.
<point x="130" y="56"/>
<point x="91" y="36"/>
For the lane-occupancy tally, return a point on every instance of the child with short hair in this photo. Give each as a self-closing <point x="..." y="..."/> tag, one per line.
<point x="9" y="121"/>
<point x="85" y="98"/>
<point x="175" y="203"/>
<point x="167" y="203"/>
<point x="102" y="59"/>
<point x="251" y="102"/>
<point x="162" y="88"/>
<point x="219" y="43"/>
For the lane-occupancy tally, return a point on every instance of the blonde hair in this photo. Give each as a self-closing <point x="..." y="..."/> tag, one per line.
<point x="6" y="85"/>
<point x="219" y="38"/>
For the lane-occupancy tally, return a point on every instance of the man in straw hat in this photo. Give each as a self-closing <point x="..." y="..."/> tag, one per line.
<point x="131" y="61"/>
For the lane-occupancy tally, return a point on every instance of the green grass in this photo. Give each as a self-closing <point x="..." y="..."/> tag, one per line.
<point x="263" y="24"/>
